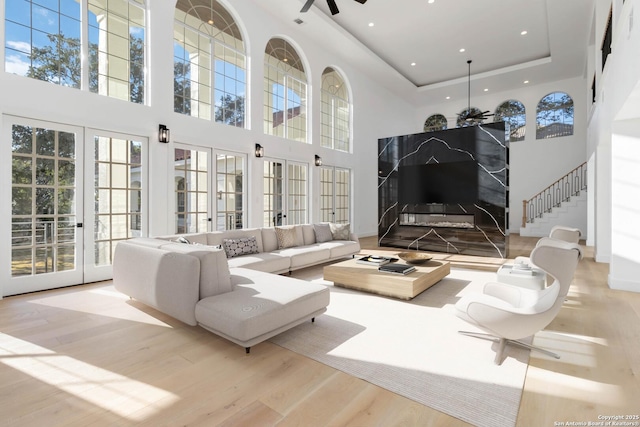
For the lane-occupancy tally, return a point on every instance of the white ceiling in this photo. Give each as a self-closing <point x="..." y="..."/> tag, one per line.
<point x="431" y="35"/>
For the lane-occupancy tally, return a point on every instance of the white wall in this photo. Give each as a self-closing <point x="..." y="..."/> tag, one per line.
<point x="534" y="164"/>
<point x="614" y="136"/>
<point x="377" y="112"/>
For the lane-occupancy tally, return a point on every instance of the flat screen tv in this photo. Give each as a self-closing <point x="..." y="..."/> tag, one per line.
<point x="445" y="183"/>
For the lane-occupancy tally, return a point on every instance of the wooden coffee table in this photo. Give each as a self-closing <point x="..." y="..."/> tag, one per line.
<point x="353" y="275"/>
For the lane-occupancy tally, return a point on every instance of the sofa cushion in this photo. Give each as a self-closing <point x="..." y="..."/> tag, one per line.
<point x="216" y="237"/>
<point x="260" y="304"/>
<point x="341" y="248"/>
<point x="301" y="256"/>
<point x="263" y="261"/>
<point x="270" y="239"/>
<point x="214" y="269"/>
<point x="340" y="231"/>
<point x="322" y="232"/>
<point x="308" y="234"/>
<point x="240" y="246"/>
<point x="286" y="237"/>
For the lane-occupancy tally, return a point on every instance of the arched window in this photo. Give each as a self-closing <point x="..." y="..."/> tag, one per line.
<point x="210" y="66"/>
<point x="512" y="112"/>
<point x="435" y="122"/>
<point x="334" y="111"/>
<point x="285" y="92"/>
<point x="43" y="41"/>
<point x="469" y="117"/>
<point x="554" y="116"/>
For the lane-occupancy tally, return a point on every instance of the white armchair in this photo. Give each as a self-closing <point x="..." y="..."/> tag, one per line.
<point x="509" y="313"/>
<point x="568" y="234"/>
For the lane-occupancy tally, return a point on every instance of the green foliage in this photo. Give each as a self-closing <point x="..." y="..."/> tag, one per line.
<point x="60" y="63"/>
<point x="231" y="111"/>
<point x="435" y="122"/>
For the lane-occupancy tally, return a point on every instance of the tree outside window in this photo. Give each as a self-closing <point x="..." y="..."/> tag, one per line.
<point x="435" y="122"/>
<point x="554" y="116"/>
<point x="513" y="113"/>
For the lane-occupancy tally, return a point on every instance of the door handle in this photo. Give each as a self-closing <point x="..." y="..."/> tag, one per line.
<point x="79" y="225"/>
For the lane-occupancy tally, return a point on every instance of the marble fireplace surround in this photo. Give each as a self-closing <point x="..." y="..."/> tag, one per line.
<point x="469" y="227"/>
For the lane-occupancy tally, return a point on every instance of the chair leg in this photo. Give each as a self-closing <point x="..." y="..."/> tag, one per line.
<point x="502" y="342"/>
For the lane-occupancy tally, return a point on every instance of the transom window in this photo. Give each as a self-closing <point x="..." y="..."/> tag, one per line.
<point x="43" y="41"/>
<point x="285" y="92"/>
<point x="117" y="48"/>
<point x="334" y="111"/>
<point x="554" y="116"/>
<point x="513" y="113"/>
<point x="435" y="122"/>
<point x="209" y="70"/>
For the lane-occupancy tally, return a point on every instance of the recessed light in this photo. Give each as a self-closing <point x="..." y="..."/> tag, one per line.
<point x="413" y="64"/>
<point x="431" y="1"/>
<point x="448" y="97"/>
<point x="526" y="81"/>
<point x="210" y="21"/>
<point x="523" y="32"/>
<point x="371" y="24"/>
<point x="486" y="89"/>
<point x="286" y="59"/>
<point x="461" y="50"/>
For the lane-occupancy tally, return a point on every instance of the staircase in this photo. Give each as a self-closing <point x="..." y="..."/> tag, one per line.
<point x="562" y="203"/>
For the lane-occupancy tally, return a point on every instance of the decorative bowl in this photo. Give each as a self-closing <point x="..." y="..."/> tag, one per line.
<point x="415" y="258"/>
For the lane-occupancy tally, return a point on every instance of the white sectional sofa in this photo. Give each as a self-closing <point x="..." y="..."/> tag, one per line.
<point x="271" y="257"/>
<point x="239" y="298"/>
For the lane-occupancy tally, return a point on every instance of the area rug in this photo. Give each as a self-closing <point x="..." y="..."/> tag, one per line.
<point x="413" y="348"/>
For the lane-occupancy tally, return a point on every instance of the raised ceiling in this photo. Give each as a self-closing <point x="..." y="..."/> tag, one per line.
<point x="432" y="34"/>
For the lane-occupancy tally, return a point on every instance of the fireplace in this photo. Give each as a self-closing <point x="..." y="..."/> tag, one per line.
<point x="437" y="220"/>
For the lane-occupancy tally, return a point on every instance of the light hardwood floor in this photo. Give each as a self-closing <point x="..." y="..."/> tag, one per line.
<point x="87" y="356"/>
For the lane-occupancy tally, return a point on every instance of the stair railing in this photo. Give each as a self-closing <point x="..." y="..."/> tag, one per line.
<point x="560" y="191"/>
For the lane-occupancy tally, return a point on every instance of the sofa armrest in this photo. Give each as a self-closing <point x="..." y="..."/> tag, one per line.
<point x="167" y="281"/>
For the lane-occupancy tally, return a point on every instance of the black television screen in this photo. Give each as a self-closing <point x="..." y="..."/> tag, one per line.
<point x="446" y="183"/>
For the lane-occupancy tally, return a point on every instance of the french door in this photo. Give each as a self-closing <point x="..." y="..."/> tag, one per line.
<point x="193" y="196"/>
<point x="116" y="203"/>
<point x="285" y="198"/>
<point x="335" y="194"/>
<point x="44" y="236"/>
<point x="74" y="194"/>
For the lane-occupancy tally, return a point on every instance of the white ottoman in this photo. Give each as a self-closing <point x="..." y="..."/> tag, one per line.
<point x="518" y="275"/>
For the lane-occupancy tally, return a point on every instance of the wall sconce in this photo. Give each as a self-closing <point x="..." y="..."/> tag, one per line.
<point x="259" y="150"/>
<point x="318" y="160"/>
<point x="163" y="134"/>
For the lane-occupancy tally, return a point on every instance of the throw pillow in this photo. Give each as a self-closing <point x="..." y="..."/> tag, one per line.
<point x="286" y="237"/>
<point x="241" y="246"/>
<point x="323" y="232"/>
<point x="340" y="231"/>
<point x="182" y="239"/>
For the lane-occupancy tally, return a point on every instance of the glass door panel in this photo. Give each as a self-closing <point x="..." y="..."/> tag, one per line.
<point x="117" y="191"/>
<point x="335" y="194"/>
<point x="273" y="194"/>
<point x="191" y="183"/>
<point x="229" y="191"/>
<point x="297" y="193"/>
<point x="45" y="203"/>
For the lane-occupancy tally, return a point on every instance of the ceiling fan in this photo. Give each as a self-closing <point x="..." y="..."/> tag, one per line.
<point x="472" y="116"/>
<point x="332" y="6"/>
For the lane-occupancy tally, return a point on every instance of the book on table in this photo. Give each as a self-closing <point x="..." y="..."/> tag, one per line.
<point x="375" y="260"/>
<point x="396" y="268"/>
